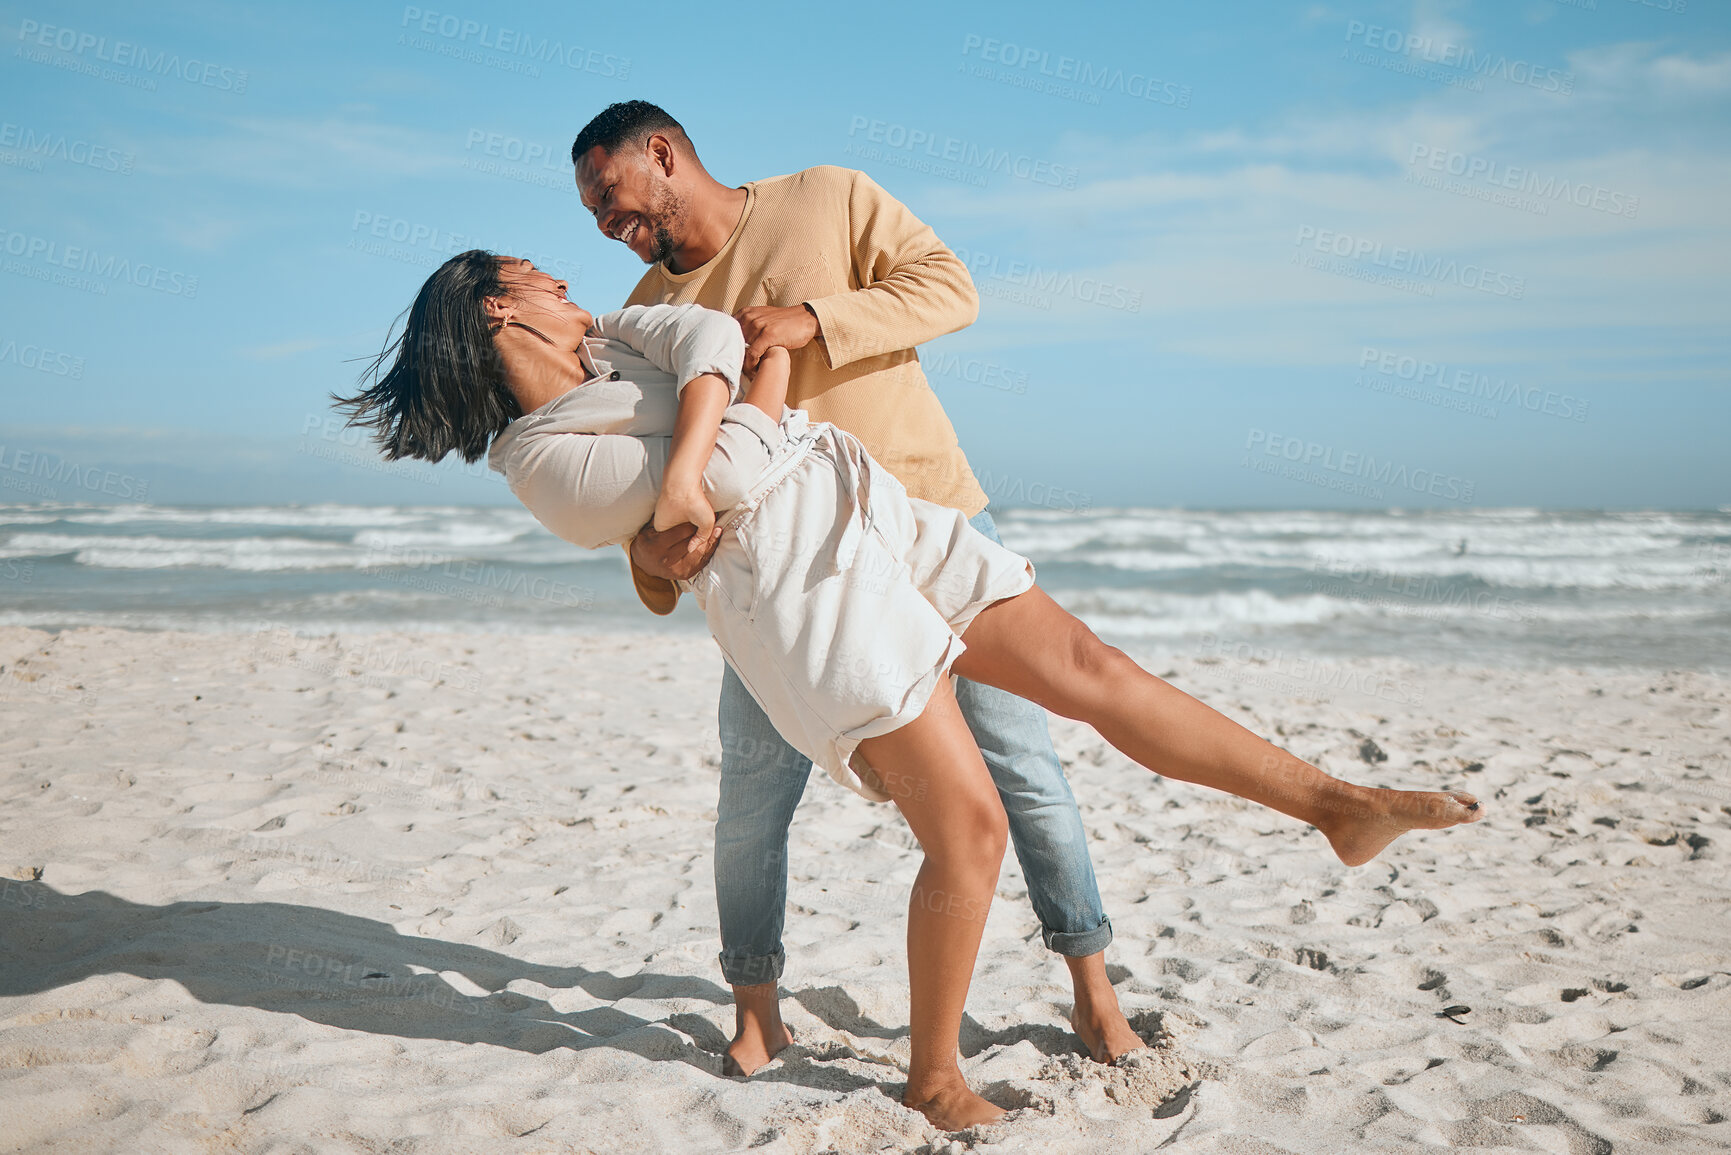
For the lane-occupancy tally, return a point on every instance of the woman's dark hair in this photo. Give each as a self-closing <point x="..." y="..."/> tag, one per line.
<point x="440" y="386"/>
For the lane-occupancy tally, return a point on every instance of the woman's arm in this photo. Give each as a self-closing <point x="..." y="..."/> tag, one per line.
<point x="701" y="404"/>
<point x="768" y="389"/>
<point x="682" y="500"/>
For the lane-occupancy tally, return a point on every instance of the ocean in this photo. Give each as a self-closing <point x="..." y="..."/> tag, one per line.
<point x="1527" y="588"/>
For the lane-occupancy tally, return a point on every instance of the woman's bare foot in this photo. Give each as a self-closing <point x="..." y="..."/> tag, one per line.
<point x="1363" y="820"/>
<point x="951" y="1106"/>
<point x="758" y="1032"/>
<point x="1096" y="1018"/>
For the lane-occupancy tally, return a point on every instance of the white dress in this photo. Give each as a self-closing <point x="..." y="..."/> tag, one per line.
<point x="837" y="599"/>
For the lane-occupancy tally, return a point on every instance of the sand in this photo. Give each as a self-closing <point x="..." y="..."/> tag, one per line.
<point x="262" y="893"/>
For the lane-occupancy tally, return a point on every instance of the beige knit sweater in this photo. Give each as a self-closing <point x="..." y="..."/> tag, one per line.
<point x="880" y="283"/>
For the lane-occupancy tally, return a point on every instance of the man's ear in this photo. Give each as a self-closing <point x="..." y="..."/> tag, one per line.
<point x="661" y="153"/>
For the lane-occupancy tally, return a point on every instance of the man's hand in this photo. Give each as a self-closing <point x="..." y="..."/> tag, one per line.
<point x="667" y="553"/>
<point x="766" y="326"/>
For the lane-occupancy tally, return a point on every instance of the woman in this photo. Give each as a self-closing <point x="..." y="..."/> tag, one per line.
<point x="839" y="600"/>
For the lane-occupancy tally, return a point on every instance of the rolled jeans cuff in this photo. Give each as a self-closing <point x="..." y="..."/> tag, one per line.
<point x="1079" y="944"/>
<point x="750" y="970"/>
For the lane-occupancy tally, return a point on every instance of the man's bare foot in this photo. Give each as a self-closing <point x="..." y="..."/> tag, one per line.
<point x="758" y="1032"/>
<point x="952" y="1106"/>
<point x="1363" y="820"/>
<point x="1106" y="1036"/>
<point x="1096" y="1018"/>
<point x="751" y="1048"/>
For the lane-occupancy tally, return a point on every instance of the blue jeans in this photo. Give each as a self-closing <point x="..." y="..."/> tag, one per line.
<point x="763" y="778"/>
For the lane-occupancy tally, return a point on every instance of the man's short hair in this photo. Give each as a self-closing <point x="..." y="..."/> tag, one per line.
<point x="624" y="123"/>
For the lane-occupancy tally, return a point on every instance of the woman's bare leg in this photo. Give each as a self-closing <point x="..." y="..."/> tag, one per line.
<point x="933" y="770"/>
<point x="1029" y="645"/>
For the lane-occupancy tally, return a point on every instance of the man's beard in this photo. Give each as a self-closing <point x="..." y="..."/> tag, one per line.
<point x="667" y="213"/>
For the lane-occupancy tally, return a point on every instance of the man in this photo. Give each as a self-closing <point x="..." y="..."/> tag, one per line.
<point x="829" y="266"/>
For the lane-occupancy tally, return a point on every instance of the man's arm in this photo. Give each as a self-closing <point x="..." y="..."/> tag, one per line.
<point x="913" y="287"/>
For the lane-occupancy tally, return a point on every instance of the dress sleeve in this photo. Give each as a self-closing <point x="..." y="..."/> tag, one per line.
<point x="684" y="340"/>
<point x="592" y="489"/>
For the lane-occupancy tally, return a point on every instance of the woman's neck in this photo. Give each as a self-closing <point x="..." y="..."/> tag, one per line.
<point x="537" y="372"/>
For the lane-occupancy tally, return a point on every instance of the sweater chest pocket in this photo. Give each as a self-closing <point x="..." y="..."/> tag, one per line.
<point x="807" y="282"/>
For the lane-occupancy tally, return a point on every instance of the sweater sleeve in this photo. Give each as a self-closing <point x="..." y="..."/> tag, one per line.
<point x="913" y="288"/>
<point x="685" y="340"/>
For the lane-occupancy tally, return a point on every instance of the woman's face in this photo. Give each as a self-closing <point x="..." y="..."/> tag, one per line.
<point x="538" y="299"/>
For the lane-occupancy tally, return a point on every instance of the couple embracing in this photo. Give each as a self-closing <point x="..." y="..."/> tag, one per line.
<point x="755" y="428"/>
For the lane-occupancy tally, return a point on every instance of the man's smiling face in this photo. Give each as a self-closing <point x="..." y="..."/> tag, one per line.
<point x="632" y="200"/>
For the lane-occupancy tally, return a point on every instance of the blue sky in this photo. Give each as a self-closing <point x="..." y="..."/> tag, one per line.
<point x="1229" y="254"/>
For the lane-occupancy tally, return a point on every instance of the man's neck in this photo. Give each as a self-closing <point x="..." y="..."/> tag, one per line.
<point x="714" y="216"/>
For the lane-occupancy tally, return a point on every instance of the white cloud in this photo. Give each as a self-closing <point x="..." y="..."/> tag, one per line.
<point x="330" y="151"/>
<point x="1206" y="224"/>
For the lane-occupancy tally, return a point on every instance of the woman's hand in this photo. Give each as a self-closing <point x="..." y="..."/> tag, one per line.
<point x="768" y="389"/>
<point x="683" y="503"/>
<point x="774" y="358"/>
